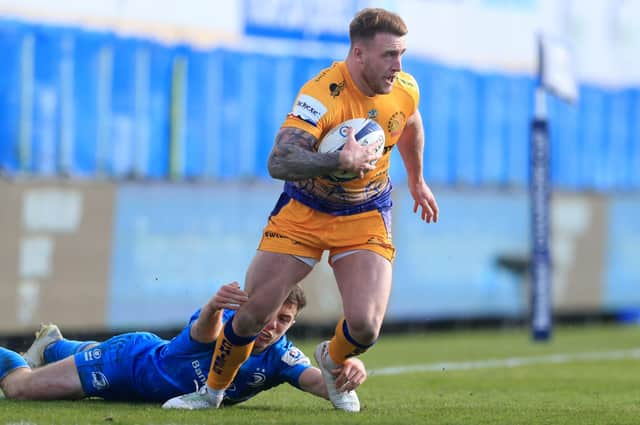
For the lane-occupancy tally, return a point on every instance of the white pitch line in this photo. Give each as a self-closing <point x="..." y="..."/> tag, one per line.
<point x="508" y="362"/>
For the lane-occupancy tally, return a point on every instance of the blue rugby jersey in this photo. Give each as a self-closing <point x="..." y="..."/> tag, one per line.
<point x="143" y="367"/>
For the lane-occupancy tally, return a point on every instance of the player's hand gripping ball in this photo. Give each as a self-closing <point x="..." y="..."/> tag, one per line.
<point x="366" y="131"/>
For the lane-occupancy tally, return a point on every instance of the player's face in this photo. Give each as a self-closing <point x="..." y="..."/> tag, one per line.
<point x="276" y="327"/>
<point x="381" y="60"/>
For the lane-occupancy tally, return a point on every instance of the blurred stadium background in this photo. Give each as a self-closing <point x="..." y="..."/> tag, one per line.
<point x="134" y="135"/>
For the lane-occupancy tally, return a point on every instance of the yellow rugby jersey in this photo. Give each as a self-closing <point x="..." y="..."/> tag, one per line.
<point x="330" y="99"/>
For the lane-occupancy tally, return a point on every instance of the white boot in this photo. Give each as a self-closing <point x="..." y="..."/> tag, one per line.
<point x="343" y="400"/>
<point x="46" y="335"/>
<point x="204" y="398"/>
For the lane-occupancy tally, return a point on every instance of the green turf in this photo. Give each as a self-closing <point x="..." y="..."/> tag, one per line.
<point x="577" y="392"/>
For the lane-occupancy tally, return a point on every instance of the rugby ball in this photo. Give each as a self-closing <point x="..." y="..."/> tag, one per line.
<point x="366" y="131"/>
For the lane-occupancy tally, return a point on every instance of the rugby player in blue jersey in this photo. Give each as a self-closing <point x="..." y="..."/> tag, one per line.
<point x="141" y="366"/>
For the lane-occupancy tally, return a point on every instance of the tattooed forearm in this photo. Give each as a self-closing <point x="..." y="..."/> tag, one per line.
<point x="293" y="156"/>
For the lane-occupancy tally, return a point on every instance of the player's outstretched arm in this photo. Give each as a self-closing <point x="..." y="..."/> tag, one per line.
<point x="348" y="378"/>
<point x="411" y="147"/>
<point x="209" y="324"/>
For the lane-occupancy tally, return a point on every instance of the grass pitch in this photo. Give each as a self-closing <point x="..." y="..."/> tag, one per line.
<point x="585" y="375"/>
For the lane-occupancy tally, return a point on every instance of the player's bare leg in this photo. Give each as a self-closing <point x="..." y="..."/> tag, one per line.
<point x="55" y="381"/>
<point x="364" y="281"/>
<point x="269" y="280"/>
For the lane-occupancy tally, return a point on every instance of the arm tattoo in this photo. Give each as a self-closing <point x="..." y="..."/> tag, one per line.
<point x="293" y="156"/>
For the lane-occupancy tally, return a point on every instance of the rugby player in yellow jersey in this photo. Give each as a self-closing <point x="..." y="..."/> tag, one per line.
<point x="351" y="219"/>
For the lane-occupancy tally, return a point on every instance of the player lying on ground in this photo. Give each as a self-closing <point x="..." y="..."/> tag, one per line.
<point x="141" y="366"/>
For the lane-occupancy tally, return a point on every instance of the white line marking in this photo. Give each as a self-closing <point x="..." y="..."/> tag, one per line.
<point x="508" y="362"/>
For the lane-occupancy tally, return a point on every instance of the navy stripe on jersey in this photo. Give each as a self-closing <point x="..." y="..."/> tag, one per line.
<point x="379" y="202"/>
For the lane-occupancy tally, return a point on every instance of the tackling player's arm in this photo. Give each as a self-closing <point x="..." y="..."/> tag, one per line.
<point x="294" y="156"/>
<point x="349" y="377"/>
<point x="411" y="147"/>
<point x="208" y="325"/>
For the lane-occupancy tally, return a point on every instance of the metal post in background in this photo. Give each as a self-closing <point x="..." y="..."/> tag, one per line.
<point x="540" y="189"/>
<point x="555" y="76"/>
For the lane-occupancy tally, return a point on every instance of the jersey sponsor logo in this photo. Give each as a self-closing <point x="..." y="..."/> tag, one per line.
<point x="396" y="123"/>
<point x="198" y="371"/>
<point x="274" y="235"/>
<point x="336" y="88"/>
<point x="99" y="381"/>
<point x="309" y="109"/>
<point x="294" y="357"/>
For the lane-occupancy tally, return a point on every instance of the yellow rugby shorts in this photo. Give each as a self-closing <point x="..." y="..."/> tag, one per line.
<point x="297" y="229"/>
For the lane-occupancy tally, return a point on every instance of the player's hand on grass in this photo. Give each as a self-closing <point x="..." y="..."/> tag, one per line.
<point x="351" y="375"/>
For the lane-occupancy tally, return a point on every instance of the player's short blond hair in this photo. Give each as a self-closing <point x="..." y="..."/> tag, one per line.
<point x="297" y="298"/>
<point x="371" y="21"/>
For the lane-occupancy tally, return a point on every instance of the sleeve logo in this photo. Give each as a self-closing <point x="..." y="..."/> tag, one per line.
<point x="294" y="357"/>
<point x="309" y="109"/>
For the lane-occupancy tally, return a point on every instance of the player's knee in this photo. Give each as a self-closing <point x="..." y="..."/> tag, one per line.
<point x="365" y="332"/>
<point x="14" y="390"/>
